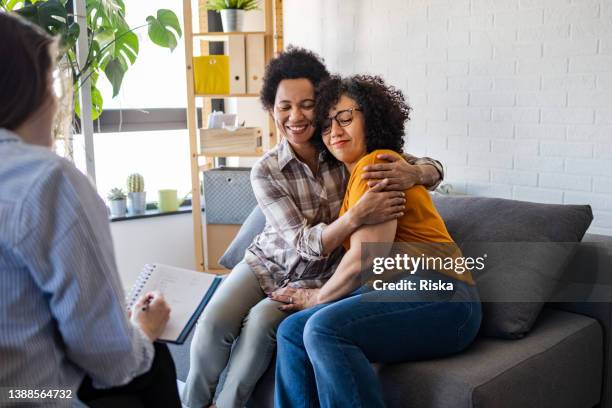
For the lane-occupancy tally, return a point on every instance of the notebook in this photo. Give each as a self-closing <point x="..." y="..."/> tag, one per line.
<point x="187" y="292"/>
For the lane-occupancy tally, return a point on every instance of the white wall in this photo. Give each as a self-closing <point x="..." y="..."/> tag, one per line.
<point x="514" y="96"/>
<point x="166" y="239"/>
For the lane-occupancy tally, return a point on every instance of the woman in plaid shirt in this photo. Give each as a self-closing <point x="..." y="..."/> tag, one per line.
<point x="300" y="194"/>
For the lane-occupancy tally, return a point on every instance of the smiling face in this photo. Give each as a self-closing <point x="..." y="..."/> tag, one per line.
<point x="294" y="110"/>
<point x="347" y="143"/>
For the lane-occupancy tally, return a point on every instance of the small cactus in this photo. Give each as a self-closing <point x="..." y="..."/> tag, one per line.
<point x="116" y="194"/>
<point x="135" y="183"/>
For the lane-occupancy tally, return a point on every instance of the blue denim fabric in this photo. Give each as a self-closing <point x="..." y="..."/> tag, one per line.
<point x="325" y="352"/>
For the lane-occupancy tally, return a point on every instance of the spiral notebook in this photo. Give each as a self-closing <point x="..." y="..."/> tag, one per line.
<point x="187" y="292"/>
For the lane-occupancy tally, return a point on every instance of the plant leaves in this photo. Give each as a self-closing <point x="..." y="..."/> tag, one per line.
<point x="115" y="71"/>
<point x="97" y="103"/>
<point x="121" y="44"/>
<point x="29" y="12"/>
<point x="70" y="37"/>
<point x="159" y="29"/>
<point x="10" y="4"/>
<point x="52" y="15"/>
<point x="218" y="5"/>
<point x="105" y="13"/>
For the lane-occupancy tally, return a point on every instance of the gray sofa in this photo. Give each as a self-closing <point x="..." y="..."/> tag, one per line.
<point x="563" y="360"/>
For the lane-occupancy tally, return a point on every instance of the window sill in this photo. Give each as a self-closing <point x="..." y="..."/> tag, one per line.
<point x="151" y="213"/>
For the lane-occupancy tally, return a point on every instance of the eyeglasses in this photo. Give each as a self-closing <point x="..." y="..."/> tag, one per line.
<point x="343" y="118"/>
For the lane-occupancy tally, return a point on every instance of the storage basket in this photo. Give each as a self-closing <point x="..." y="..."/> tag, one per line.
<point x="228" y="195"/>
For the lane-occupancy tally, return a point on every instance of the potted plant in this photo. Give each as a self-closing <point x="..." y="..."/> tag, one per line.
<point x="232" y="12"/>
<point x="116" y="198"/>
<point x="137" y="202"/>
<point x="113" y="48"/>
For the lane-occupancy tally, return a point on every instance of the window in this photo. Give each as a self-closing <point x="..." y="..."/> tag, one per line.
<point x="156" y="80"/>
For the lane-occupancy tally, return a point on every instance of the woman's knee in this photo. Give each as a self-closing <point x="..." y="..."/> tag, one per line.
<point x="290" y="329"/>
<point x="263" y="320"/>
<point x="216" y="326"/>
<point x="318" y="330"/>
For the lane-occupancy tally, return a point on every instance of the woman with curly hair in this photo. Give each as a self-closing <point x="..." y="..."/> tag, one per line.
<point x="325" y="351"/>
<point x="300" y="195"/>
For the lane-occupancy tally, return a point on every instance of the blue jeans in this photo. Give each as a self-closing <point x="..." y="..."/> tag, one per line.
<point x="324" y="353"/>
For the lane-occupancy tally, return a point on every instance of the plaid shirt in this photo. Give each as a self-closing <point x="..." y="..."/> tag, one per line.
<point x="298" y="205"/>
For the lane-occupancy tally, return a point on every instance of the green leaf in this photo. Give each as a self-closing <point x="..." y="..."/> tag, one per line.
<point x="52" y="15"/>
<point x="29" y="12"/>
<point x="70" y="36"/>
<point x="121" y="44"/>
<point x="97" y="102"/>
<point x="159" y="29"/>
<point x="114" y="72"/>
<point x="11" y="4"/>
<point x="218" y="5"/>
<point x="105" y="13"/>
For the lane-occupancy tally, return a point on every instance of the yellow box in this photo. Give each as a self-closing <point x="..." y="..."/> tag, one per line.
<point x="211" y="74"/>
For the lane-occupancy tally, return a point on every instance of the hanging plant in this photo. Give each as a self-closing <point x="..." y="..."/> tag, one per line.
<point x="113" y="45"/>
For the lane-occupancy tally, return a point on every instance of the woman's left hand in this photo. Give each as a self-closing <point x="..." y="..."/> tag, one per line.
<point x="401" y="174"/>
<point x="295" y="299"/>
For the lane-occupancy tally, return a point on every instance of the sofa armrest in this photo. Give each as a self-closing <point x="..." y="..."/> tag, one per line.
<point x="591" y="295"/>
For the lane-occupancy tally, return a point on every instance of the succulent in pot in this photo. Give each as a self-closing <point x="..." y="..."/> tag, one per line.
<point x="232" y="12"/>
<point x="116" y="199"/>
<point x="137" y="197"/>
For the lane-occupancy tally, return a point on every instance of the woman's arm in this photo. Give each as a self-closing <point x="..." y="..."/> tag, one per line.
<point x="405" y="173"/>
<point x="315" y="242"/>
<point x="347" y="277"/>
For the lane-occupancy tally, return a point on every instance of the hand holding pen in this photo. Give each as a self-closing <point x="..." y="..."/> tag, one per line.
<point x="151" y="314"/>
<point x="146" y="302"/>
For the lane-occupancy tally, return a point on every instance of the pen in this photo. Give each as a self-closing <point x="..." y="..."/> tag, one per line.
<point x="147" y="302"/>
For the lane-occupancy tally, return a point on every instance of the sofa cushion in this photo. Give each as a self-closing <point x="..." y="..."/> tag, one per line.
<point x="529" y="275"/>
<point x="253" y="225"/>
<point x="520" y="274"/>
<point x="558" y="364"/>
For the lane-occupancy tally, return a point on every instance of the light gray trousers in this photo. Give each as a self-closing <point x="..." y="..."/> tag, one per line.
<point x="239" y="312"/>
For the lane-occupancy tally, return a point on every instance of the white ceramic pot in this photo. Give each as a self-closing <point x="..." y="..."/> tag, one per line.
<point x="232" y="20"/>
<point x="137" y="202"/>
<point x="117" y="208"/>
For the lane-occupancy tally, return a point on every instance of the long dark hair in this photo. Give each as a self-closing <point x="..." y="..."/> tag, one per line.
<point x="24" y="70"/>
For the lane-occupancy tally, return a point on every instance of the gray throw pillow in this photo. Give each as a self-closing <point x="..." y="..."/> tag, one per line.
<point x="528" y="266"/>
<point x="253" y="225"/>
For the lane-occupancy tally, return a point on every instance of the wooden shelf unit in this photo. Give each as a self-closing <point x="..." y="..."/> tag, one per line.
<point x="222" y="36"/>
<point x="221" y="96"/>
<point x="273" y="44"/>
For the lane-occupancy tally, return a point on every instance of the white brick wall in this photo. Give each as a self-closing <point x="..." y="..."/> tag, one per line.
<point x="514" y="96"/>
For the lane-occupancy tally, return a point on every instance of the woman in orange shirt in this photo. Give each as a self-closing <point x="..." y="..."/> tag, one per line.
<point x="435" y="309"/>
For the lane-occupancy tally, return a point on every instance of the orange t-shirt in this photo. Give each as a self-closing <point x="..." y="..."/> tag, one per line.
<point x="420" y="223"/>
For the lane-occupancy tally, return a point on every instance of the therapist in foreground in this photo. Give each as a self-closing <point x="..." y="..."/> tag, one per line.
<point x="64" y="330"/>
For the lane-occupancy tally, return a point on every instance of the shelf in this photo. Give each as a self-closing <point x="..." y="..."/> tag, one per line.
<point x="221" y="36"/>
<point x="227" y="95"/>
<point x="225" y="143"/>
<point x="220" y="153"/>
<point x="210" y="241"/>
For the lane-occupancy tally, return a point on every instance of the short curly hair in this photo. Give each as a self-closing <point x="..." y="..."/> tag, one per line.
<point x="383" y="106"/>
<point x="293" y="63"/>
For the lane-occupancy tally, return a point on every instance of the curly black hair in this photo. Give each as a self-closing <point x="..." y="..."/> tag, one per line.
<point x="293" y="63"/>
<point x="383" y="106"/>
